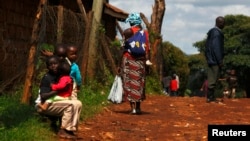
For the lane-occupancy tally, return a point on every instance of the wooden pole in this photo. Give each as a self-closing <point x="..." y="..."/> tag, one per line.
<point x="83" y="11"/>
<point x="30" y="64"/>
<point x="108" y="54"/>
<point x="119" y="27"/>
<point x="85" y="50"/>
<point x="145" y="20"/>
<point x="60" y="24"/>
<point x="92" y="58"/>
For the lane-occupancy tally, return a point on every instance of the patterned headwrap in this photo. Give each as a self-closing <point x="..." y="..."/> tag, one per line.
<point x="134" y="18"/>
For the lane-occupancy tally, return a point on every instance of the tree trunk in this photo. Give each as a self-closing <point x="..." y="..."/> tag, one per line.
<point x="155" y="29"/>
<point x="30" y="64"/>
<point x="157" y="16"/>
<point x="154" y="53"/>
<point x="155" y="32"/>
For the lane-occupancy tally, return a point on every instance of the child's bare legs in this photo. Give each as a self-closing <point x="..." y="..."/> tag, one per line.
<point x="233" y="93"/>
<point x="43" y="106"/>
<point x="225" y="94"/>
<point x="148" y="62"/>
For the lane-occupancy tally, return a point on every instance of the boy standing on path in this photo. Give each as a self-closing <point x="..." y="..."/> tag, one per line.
<point x="173" y="86"/>
<point x="232" y="83"/>
<point x="231" y="80"/>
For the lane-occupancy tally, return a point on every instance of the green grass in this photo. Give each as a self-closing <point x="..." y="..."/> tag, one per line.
<point x="93" y="100"/>
<point x="20" y="122"/>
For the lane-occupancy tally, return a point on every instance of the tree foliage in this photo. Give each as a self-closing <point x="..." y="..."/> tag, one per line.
<point x="197" y="75"/>
<point x="174" y="60"/>
<point x="196" y="62"/>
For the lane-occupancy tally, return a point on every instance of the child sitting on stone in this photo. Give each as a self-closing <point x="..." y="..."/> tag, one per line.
<point x="63" y="88"/>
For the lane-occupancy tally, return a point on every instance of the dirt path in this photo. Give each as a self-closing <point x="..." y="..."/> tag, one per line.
<point x="164" y="119"/>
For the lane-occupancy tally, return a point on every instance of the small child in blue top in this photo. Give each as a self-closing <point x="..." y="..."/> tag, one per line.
<point x="75" y="71"/>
